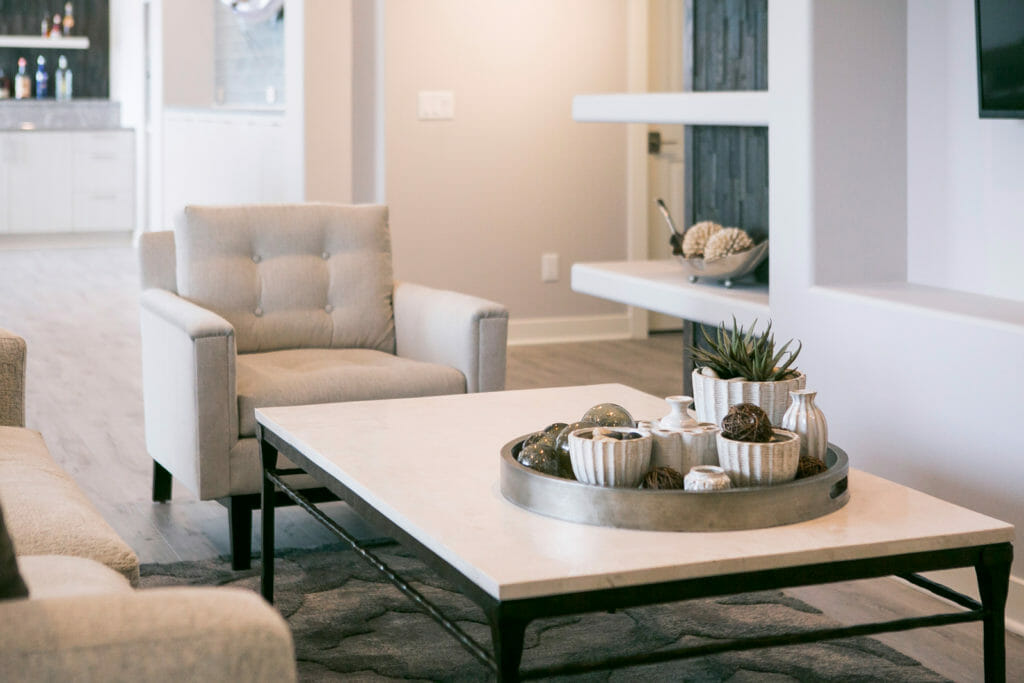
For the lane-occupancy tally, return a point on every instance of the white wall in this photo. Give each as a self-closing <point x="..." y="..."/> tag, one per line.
<point x="475" y="201"/>
<point x="913" y="392"/>
<point x="965" y="177"/>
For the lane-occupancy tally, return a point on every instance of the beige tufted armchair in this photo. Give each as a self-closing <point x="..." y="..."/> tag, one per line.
<point x="266" y="305"/>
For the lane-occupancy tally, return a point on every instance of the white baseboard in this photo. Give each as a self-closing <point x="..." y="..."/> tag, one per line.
<point x="523" y="331"/>
<point x="964" y="581"/>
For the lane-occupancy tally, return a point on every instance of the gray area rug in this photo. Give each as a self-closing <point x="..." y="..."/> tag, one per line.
<point x="350" y="624"/>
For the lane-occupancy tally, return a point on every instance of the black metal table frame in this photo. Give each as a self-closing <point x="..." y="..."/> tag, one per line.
<point x="508" y="618"/>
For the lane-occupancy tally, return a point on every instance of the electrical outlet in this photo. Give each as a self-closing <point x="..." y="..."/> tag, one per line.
<point x="549" y="267"/>
<point x="436" y="105"/>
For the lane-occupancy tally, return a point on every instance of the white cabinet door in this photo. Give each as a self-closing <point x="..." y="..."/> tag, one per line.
<point x="104" y="180"/>
<point x="39" y="182"/>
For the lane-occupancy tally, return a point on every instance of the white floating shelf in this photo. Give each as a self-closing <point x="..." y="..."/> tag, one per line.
<point x="41" y="43"/>
<point x="689" y="108"/>
<point x="662" y="286"/>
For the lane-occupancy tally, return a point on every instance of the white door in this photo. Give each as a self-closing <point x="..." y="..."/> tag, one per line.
<point x="666" y="175"/>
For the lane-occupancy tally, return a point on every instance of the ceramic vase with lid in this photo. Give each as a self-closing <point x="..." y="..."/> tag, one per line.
<point x="805" y="418"/>
<point x="706" y="478"/>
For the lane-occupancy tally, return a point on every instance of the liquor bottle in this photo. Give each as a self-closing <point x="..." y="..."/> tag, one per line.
<point x="5" y="85"/>
<point x="22" y="83"/>
<point x="55" y="28"/>
<point x="44" y="28"/>
<point x="64" y="80"/>
<point x="42" y="78"/>
<point x="69" y="18"/>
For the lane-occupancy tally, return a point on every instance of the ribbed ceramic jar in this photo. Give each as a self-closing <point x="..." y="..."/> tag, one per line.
<point x="760" y="464"/>
<point x="713" y="396"/>
<point x="804" y="418"/>
<point x="706" y="478"/>
<point x="600" y="459"/>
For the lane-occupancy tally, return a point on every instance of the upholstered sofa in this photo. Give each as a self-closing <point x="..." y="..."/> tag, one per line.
<point x="83" y="618"/>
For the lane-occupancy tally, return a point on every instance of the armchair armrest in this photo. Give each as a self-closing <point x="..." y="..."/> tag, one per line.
<point x="159" y="634"/>
<point x="12" y="379"/>
<point x="458" y="330"/>
<point x="188" y="388"/>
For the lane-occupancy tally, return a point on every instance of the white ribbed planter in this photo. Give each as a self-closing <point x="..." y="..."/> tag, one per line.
<point x="713" y="396"/>
<point x="760" y="464"/>
<point x="602" y="460"/>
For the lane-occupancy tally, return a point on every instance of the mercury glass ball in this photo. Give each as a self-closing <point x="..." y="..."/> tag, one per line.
<point x="609" y="415"/>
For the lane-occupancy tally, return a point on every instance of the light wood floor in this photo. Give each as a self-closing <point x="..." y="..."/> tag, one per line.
<point x="77" y="309"/>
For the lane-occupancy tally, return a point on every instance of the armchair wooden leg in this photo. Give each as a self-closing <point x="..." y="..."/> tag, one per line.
<point x="161" y="483"/>
<point x="240" y="530"/>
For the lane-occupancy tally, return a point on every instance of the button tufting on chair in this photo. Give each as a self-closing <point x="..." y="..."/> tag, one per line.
<point x="328" y="308"/>
<point x="257" y="311"/>
<point x="256" y="258"/>
<point x="325" y="256"/>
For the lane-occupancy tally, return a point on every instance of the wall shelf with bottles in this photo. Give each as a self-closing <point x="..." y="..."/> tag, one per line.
<point x="44" y="43"/>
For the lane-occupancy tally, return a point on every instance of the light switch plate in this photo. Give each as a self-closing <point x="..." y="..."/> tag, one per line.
<point x="436" y="105"/>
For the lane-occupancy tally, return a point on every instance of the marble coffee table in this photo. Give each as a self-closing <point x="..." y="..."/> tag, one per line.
<point x="426" y="471"/>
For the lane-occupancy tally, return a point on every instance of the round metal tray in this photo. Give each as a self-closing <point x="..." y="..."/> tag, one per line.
<point x="659" y="510"/>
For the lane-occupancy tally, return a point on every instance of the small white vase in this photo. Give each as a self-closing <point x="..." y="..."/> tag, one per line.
<point x="706" y="478"/>
<point x="678" y="416"/>
<point x="805" y="418"/>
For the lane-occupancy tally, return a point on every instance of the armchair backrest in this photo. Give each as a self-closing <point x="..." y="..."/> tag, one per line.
<point x="291" y="275"/>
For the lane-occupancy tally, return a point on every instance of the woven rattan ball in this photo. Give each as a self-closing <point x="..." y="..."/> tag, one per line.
<point x="697" y="236"/>
<point x="663" y="478"/>
<point x="727" y="241"/>
<point x="747" y="422"/>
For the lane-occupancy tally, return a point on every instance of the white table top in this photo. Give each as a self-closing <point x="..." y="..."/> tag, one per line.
<point x="432" y="466"/>
<point x="662" y="286"/>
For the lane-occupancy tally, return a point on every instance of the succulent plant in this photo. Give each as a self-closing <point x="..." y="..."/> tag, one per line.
<point x="742" y="353"/>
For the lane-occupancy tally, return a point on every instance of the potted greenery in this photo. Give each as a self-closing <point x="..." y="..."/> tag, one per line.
<point x="740" y="366"/>
<point x="752" y="452"/>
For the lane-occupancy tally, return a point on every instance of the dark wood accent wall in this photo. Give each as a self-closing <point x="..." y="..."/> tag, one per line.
<point x="91" y="68"/>
<point x="727" y="166"/>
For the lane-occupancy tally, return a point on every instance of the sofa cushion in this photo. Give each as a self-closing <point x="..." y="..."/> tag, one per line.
<point x="302" y="376"/>
<point x="61" y="576"/>
<point x="11" y="583"/>
<point x="47" y="514"/>
<point x="291" y="275"/>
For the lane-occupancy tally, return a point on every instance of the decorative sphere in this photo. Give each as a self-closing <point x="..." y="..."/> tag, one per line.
<point x="609" y="415"/>
<point x="562" y="441"/>
<point x="540" y="457"/>
<point x="747" y="422"/>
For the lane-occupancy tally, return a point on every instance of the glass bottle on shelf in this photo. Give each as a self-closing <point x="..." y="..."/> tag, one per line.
<point x="22" y="82"/>
<point x="64" y="80"/>
<point x="55" y="28"/>
<point x="42" y="78"/>
<point x="44" y="27"/>
<point x="5" y="85"/>
<point x="69" y="18"/>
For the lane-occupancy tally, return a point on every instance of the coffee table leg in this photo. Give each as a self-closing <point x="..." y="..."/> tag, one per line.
<point x="993" y="573"/>
<point x="269" y="456"/>
<point x="507" y="636"/>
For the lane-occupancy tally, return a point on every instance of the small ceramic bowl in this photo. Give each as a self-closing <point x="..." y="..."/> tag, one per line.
<point x="706" y="478"/>
<point x="610" y="456"/>
<point x="760" y="464"/>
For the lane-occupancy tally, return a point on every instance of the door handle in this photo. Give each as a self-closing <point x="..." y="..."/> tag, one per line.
<point x="655" y="143"/>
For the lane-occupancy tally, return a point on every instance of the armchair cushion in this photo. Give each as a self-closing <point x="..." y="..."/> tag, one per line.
<point x="11" y="583"/>
<point x="47" y="514"/>
<point x="12" y="379"/>
<point x="291" y="275"/>
<point x="301" y="376"/>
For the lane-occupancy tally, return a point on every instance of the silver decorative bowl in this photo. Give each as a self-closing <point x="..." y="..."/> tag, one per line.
<point x="728" y="268"/>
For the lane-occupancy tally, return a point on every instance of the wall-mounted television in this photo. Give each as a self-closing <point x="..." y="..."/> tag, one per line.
<point x="999" y="31"/>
